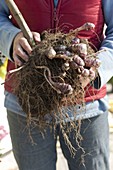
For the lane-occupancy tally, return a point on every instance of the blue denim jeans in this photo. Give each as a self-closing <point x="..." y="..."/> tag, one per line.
<point x="41" y="154"/>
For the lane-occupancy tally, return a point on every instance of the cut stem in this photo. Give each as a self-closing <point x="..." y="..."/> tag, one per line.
<point x="20" y="21"/>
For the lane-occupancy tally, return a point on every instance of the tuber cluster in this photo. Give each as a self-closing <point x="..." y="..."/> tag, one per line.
<point x="50" y="80"/>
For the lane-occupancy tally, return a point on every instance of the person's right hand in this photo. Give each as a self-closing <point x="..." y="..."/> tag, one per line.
<point x="22" y="48"/>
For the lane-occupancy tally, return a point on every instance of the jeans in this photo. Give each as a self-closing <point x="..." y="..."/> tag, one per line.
<point x="35" y="151"/>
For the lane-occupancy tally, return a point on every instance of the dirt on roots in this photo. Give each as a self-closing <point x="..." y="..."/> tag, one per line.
<point x="50" y="81"/>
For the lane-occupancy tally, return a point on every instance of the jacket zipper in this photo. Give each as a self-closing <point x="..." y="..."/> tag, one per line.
<point x="55" y="18"/>
<point x="55" y="15"/>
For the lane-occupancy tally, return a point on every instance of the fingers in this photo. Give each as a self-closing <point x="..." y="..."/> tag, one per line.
<point x="77" y="62"/>
<point x="91" y="73"/>
<point x="87" y="75"/>
<point x="20" y="56"/>
<point x="89" y="62"/>
<point x="22" y="49"/>
<point x="86" y="67"/>
<point x="36" y="37"/>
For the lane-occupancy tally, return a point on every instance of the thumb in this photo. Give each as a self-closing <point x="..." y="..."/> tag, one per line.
<point x="36" y="37"/>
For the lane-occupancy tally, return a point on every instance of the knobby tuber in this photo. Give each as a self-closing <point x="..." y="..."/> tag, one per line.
<point x="51" y="79"/>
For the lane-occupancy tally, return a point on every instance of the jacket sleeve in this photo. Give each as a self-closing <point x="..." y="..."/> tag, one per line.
<point x="7" y="30"/>
<point x="106" y="69"/>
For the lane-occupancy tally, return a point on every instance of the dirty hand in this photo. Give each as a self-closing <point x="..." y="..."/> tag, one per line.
<point x="86" y="67"/>
<point x="22" y="49"/>
<point x="87" y="76"/>
<point x="90" y="71"/>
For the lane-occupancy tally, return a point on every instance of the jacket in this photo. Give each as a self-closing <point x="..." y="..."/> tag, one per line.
<point x="68" y="15"/>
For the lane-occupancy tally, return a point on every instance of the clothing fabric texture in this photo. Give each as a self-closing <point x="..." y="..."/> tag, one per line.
<point x="95" y="123"/>
<point x="33" y="151"/>
<point x="65" y="19"/>
<point x="105" y="71"/>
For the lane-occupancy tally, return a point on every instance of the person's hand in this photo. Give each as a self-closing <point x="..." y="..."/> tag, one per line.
<point x="22" y="49"/>
<point x="87" y="76"/>
<point x="86" y="67"/>
<point x="90" y="71"/>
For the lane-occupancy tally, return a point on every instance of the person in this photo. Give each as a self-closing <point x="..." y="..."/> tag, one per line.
<point x="64" y="14"/>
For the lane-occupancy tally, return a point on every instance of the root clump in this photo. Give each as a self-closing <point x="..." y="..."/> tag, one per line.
<point x="50" y="81"/>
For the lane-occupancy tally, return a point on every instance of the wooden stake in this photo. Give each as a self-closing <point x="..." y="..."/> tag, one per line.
<point x="21" y="21"/>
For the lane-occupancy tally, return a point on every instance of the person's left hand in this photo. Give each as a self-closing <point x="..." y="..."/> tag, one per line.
<point x="87" y="76"/>
<point x="86" y="67"/>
